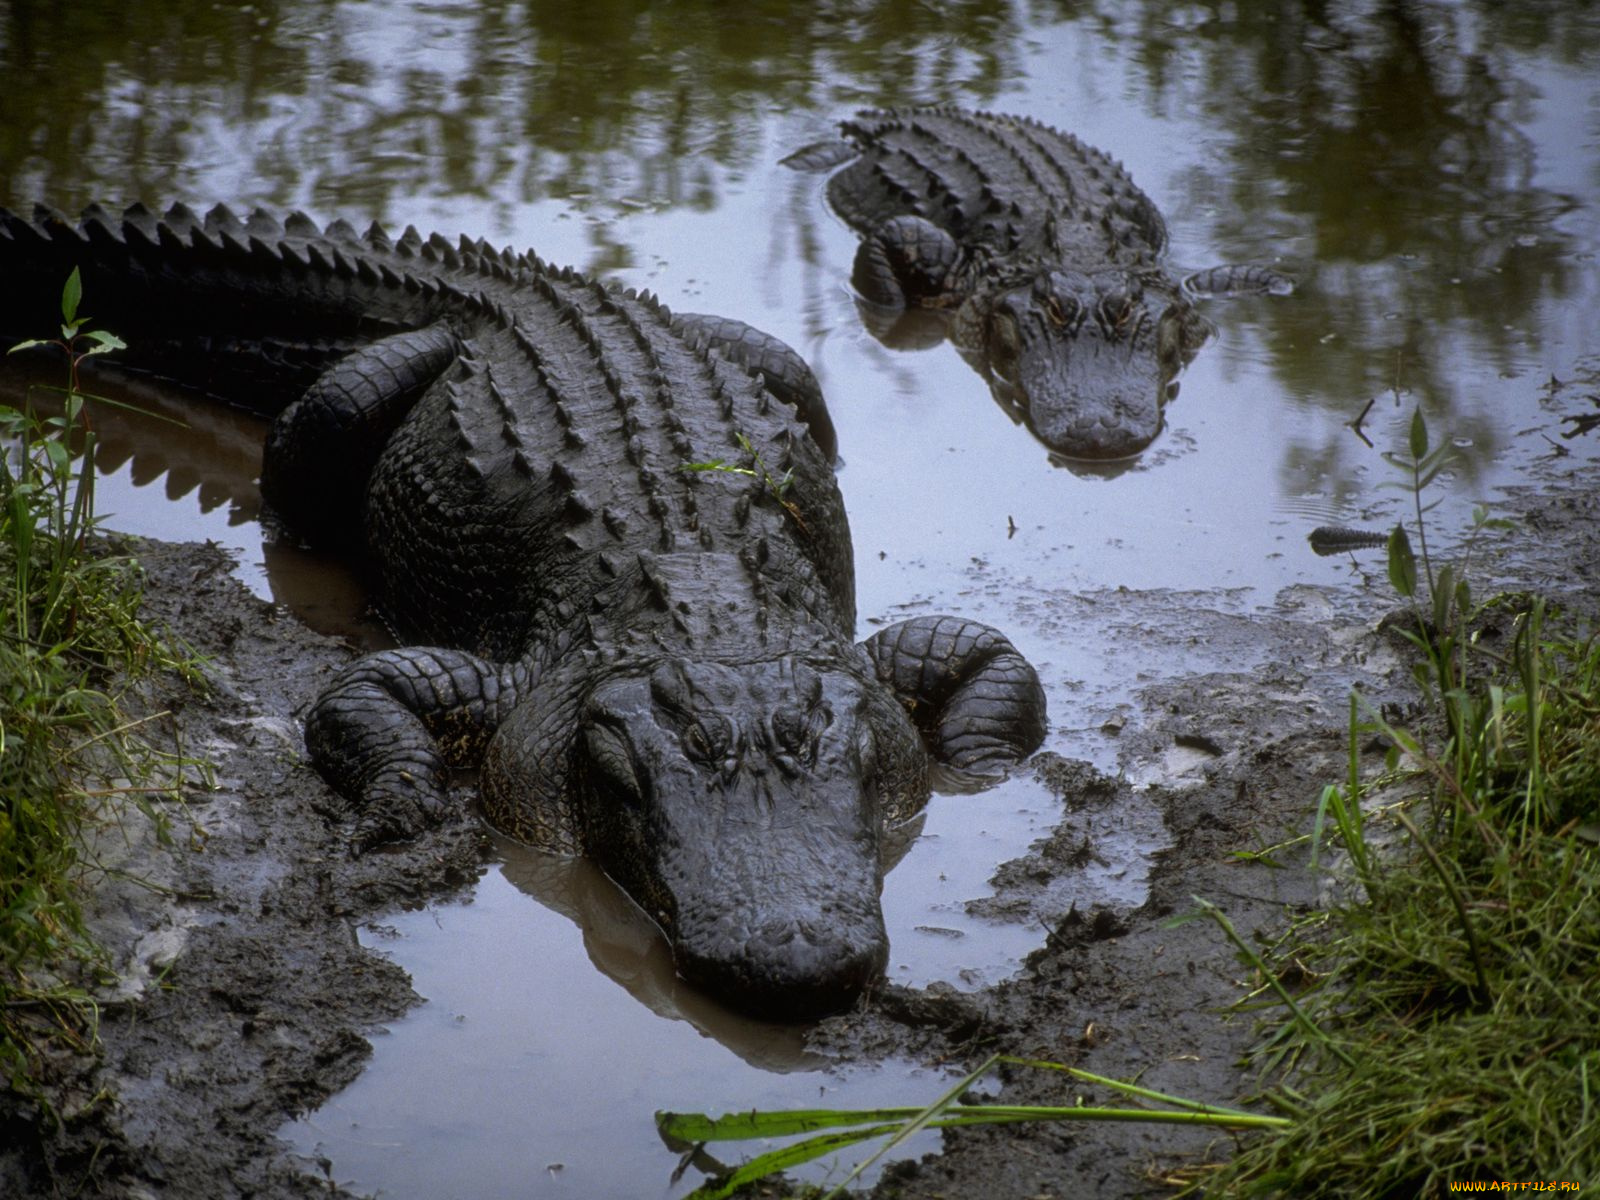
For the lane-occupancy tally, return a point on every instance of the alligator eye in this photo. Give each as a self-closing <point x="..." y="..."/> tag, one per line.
<point x="706" y="740"/>
<point x="797" y="730"/>
<point x="788" y="728"/>
<point x="1116" y="310"/>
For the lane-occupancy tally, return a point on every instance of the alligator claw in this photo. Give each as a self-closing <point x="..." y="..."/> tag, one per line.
<point x="392" y="815"/>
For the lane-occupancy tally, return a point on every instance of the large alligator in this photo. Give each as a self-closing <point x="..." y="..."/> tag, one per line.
<point x="651" y="665"/>
<point x="1044" y="256"/>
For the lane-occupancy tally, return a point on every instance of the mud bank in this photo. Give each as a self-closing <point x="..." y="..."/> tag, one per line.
<point x="247" y="998"/>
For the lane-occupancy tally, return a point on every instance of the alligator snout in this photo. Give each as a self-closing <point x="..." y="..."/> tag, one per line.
<point x="786" y="968"/>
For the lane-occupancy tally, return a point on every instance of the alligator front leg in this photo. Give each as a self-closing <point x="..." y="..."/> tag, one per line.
<point x="322" y="448"/>
<point x="389" y="729"/>
<point x="907" y="262"/>
<point x="974" y="698"/>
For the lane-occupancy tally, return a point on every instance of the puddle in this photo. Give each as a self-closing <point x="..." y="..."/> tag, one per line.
<point x="536" y="1068"/>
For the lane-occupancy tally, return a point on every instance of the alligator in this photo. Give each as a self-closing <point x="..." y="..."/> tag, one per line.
<point x="1040" y="255"/>
<point x="648" y="665"/>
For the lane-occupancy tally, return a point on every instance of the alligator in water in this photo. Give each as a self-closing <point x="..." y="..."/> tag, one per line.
<point x="651" y="666"/>
<point x="1041" y="256"/>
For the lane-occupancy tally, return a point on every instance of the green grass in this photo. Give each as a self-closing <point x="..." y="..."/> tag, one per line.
<point x="1452" y="1029"/>
<point x="71" y="644"/>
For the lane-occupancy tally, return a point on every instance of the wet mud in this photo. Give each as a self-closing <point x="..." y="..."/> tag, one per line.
<point x="246" y="997"/>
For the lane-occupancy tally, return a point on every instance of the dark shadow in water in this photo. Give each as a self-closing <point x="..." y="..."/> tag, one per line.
<point x="628" y="948"/>
<point x="157" y="431"/>
<point x="209" y="455"/>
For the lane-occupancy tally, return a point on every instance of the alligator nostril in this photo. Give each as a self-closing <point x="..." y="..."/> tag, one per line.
<point x="779" y="934"/>
<point x="792" y="967"/>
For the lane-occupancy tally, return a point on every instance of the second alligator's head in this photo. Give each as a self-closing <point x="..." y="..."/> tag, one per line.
<point x="1089" y="361"/>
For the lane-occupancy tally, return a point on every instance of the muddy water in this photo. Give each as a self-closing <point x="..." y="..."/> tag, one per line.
<point x="1427" y="174"/>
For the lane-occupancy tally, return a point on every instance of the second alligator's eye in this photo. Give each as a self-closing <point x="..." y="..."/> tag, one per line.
<point x="1060" y="307"/>
<point x="1116" y="310"/>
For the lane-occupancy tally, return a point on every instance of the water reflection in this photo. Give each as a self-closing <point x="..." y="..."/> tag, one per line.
<point x="623" y="944"/>
<point x="1385" y="146"/>
<point x="349" y="105"/>
<point x="1388" y="145"/>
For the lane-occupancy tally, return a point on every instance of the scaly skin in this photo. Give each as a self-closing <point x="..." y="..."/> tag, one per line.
<point x="1045" y="255"/>
<point x="650" y="665"/>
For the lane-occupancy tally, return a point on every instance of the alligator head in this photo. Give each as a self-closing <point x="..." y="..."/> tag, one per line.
<point x="1088" y="360"/>
<point x="741" y="806"/>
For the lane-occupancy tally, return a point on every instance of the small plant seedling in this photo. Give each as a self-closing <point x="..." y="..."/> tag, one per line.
<point x="778" y="486"/>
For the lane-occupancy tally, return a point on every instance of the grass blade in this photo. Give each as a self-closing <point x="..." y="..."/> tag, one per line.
<point x="919" y="1122"/>
<point x="782" y="1159"/>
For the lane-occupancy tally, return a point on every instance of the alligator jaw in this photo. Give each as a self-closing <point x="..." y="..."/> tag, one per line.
<point x="1087" y="388"/>
<point x="770" y="898"/>
<point x="779" y="959"/>
<point x="1085" y="360"/>
<point x="1091" y="399"/>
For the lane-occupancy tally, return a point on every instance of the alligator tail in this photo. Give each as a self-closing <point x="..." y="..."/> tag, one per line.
<point x="249" y="308"/>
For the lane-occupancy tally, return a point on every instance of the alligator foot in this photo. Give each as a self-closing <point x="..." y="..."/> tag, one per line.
<point x="908" y="261"/>
<point x="975" y="699"/>
<point x="390" y="728"/>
